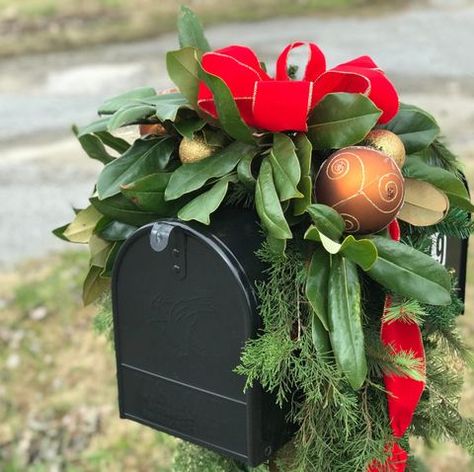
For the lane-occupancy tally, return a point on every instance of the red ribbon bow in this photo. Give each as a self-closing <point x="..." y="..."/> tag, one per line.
<point x="283" y="104"/>
<point x="403" y="393"/>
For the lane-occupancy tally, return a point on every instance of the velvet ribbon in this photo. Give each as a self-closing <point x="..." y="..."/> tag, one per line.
<point x="282" y="104"/>
<point x="403" y="393"/>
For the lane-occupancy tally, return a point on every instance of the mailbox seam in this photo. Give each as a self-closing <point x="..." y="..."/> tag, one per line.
<point x="182" y="384"/>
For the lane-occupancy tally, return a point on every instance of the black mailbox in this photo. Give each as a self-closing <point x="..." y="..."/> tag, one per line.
<point x="184" y="305"/>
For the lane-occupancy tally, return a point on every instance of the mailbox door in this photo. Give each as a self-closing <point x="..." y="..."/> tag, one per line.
<point x="183" y="309"/>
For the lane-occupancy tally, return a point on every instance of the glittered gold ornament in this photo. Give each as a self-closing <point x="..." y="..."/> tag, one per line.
<point x="194" y="150"/>
<point x="364" y="185"/>
<point x="156" y="129"/>
<point x="387" y="142"/>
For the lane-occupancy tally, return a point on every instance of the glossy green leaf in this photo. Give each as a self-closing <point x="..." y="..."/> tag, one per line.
<point x="167" y="105"/>
<point x="317" y="284"/>
<point x="244" y="172"/>
<point x="320" y="336"/>
<point x="117" y="231"/>
<point x="345" y="323"/>
<point x="415" y="127"/>
<point x="94" y="148"/>
<point x="111" y="105"/>
<point x="327" y="220"/>
<point x="229" y="115"/>
<point x="305" y="186"/>
<point x="190" y="177"/>
<point x="120" y="209"/>
<point x="286" y="167"/>
<point x="416" y="168"/>
<point x="81" y="228"/>
<point x="117" y="144"/>
<point x="361" y="251"/>
<point x="276" y="246"/>
<point x="190" y="30"/>
<point x="130" y="115"/>
<point x="341" y="119"/>
<point x="146" y="156"/>
<point x="201" y="207"/>
<point x="96" y="126"/>
<point x="148" y="194"/>
<point x="410" y="273"/>
<point x="268" y="205"/>
<point x="94" y="285"/>
<point x="312" y="234"/>
<point x="183" y="69"/>
<point x="188" y="127"/>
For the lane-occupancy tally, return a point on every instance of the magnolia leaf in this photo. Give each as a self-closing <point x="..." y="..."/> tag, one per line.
<point x="94" y="148"/>
<point x="187" y="128"/>
<point x="82" y="227"/>
<point x="268" y="205"/>
<point x="183" y="69"/>
<point x="286" y="167"/>
<point x="416" y="168"/>
<point x="424" y="204"/>
<point x="331" y="246"/>
<point x="190" y="177"/>
<point x="148" y="194"/>
<point x="201" y="207"/>
<point x="111" y="105"/>
<point x="94" y="285"/>
<point x="99" y="249"/>
<point x="341" y="119"/>
<point x="111" y="256"/>
<point x="244" y="172"/>
<point x="276" y="246"/>
<point x="59" y="232"/>
<point x="94" y="127"/>
<point x="317" y="280"/>
<point x="227" y="111"/>
<point x="167" y="105"/>
<point x="305" y="186"/>
<point x="414" y="126"/>
<point x="130" y="115"/>
<point x="327" y="220"/>
<point x="320" y="336"/>
<point x="345" y="323"/>
<point x="410" y="273"/>
<point x="312" y="234"/>
<point x="190" y="30"/>
<point x="146" y="156"/>
<point x="117" y="144"/>
<point x="361" y="251"/>
<point x="116" y="231"/>
<point x="120" y="209"/>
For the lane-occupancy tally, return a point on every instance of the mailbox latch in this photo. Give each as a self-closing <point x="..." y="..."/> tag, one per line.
<point x="160" y="237"/>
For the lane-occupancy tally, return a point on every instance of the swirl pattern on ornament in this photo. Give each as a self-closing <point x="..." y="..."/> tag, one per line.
<point x="339" y="167"/>
<point x="351" y="222"/>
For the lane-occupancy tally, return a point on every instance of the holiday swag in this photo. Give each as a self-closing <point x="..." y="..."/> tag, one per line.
<point x="359" y="339"/>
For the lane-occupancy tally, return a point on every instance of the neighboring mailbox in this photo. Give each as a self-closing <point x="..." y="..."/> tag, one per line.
<point x="184" y="305"/>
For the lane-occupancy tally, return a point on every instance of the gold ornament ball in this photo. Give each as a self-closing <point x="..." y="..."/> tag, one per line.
<point x="194" y="150"/>
<point x="387" y="142"/>
<point x="364" y="185"/>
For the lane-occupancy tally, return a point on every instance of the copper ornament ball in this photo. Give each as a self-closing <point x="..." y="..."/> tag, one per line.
<point x="389" y="143"/>
<point x="364" y="185"/>
<point x="155" y="129"/>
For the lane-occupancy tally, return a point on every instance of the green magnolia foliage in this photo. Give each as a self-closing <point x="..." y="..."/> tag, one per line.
<point x="323" y="302"/>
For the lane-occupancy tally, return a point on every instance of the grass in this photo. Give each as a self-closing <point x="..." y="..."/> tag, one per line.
<point x="30" y="26"/>
<point x="58" y="395"/>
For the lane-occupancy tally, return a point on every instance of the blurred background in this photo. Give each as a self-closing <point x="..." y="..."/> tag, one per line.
<point x="58" y="60"/>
